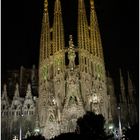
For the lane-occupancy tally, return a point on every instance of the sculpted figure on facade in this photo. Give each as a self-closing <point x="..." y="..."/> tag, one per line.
<point x="71" y="54"/>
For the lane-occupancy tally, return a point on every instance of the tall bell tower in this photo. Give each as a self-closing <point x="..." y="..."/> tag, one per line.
<point x="91" y="62"/>
<point x="51" y="72"/>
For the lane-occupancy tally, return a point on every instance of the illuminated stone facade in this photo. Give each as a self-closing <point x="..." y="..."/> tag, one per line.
<point x="67" y="91"/>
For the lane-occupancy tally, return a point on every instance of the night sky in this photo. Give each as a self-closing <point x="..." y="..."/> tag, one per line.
<point x="118" y="21"/>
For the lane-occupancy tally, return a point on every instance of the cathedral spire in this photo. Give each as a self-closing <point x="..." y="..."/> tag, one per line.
<point x="58" y="31"/>
<point x="83" y="29"/>
<point x="45" y="34"/>
<point x="4" y="95"/>
<point x="95" y="38"/>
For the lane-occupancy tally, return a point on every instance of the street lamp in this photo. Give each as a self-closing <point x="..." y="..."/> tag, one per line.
<point x="54" y="101"/>
<point x="15" y="138"/>
<point x="119" y="117"/>
<point x="37" y="131"/>
<point x="20" y="131"/>
<point x="95" y="99"/>
<point x="111" y="127"/>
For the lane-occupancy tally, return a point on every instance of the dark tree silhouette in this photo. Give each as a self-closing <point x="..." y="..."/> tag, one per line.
<point x="133" y="132"/>
<point x="92" y="126"/>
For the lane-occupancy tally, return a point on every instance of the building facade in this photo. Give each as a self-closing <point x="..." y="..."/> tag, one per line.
<point x="66" y="90"/>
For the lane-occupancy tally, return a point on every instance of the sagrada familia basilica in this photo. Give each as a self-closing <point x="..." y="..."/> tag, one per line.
<point x="66" y="91"/>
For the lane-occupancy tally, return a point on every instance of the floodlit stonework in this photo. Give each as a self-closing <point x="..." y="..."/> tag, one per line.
<point x="66" y="91"/>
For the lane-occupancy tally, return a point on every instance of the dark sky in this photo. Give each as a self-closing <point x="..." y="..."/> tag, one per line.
<point x="118" y="21"/>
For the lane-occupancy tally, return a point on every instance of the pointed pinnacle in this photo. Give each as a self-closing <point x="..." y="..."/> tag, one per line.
<point x="17" y="90"/>
<point x="92" y="2"/>
<point x="17" y="86"/>
<point x="45" y="5"/>
<point x="4" y="91"/>
<point x="29" y="86"/>
<point x="28" y="90"/>
<point x="57" y="6"/>
<point x="81" y="3"/>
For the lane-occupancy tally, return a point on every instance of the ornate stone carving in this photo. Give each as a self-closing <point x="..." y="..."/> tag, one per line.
<point x="71" y="54"/>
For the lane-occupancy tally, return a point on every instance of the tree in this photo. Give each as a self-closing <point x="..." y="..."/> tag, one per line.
<point x="92" y="125"/>
<point x="133" y="132"/>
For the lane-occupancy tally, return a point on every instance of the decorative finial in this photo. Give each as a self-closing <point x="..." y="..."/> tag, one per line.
<point x="70" y="37"/>
<point x="28" y="94"/>
<point x="57" y="6"/>
<point x="17" y="86"/>
<point x="29" y="86"/>
<point x="45" y="5"/>
<point x="17" y="90"/>
<point x="92" y="4"/>
<point x="33" y="67"/>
